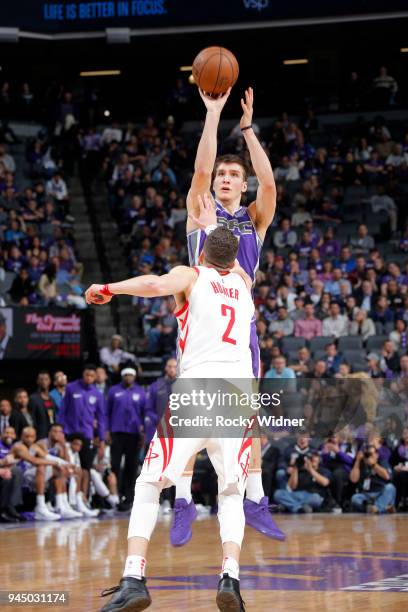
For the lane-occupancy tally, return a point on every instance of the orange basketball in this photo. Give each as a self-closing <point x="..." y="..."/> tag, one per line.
<point x="215" y="69"/>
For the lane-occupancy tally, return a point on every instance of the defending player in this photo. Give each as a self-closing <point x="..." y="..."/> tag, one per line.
<point x="214" y="342"/>
<point x="227" y="177"/>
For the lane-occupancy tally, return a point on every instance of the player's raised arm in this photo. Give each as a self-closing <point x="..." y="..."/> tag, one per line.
<point x="206" y="153"/>
<point x="178" y="280"/>
<point x="263" y="209"/>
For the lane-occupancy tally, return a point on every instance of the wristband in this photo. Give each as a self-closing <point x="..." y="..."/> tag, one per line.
<point x="106" y="291"/>
<point x="247" y="127"/>
<point x="209" y="229"/>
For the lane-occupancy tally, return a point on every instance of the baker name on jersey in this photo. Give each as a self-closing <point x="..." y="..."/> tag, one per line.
<point x="229" y="292"/>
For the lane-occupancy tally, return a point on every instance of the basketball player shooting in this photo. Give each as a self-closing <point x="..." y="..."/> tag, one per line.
<point x="226" y="176"/>
<point x="215" y="344"/>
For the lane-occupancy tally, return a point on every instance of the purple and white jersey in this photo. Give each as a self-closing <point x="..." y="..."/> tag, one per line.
<point x="249" y="250"/>
<point x="241" y="225"/>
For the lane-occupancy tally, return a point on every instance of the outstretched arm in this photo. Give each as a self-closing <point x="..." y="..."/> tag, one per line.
<point x="178" y="280"/>
<point x="263" y="209"/>
<point x="206" y="152"/>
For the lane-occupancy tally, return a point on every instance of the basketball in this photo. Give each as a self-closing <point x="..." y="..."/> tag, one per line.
<point x="215" y="69"/>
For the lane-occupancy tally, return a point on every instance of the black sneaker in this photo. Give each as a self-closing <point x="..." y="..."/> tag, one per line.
<point x="229" y="597"/>
<point x="131" y="595"/>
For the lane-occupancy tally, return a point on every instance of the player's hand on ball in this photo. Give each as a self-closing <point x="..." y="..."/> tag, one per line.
<point x="247" y="108"/>
<point x="215" y="104"/>
<point x="207" y="215"/>
<point x="93" y="295"/>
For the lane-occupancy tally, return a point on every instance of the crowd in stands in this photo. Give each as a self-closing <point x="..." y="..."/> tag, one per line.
<point x="38" y="265"/>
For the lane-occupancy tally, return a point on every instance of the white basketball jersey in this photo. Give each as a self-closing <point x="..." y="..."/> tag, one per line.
<point x="214" y="325"/>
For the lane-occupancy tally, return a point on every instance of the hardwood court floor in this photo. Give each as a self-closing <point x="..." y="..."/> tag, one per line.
<point x="346" y="563"/>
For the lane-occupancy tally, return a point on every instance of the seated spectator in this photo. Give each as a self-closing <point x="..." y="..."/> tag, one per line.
<point x="286" y="299"/>
<point x="384" y="202"/>
<point x="335" y="325"/>
<point x="399" y="463"/>
<point x="390" y="362"/>
<point x="332" y="286"/>
<point x="22" y="289"/>
<point x="113" y="357"/>
<point x="39" y="468"/>
<point x="399" y="336"/>
<point x="365" y="296"/>
<point x="10" y="479"/>
<point x="55" y="447"/>
<point x="397" y="157"/>
<point x="283" y="326"/>
<point x="303" y="365"/>
<point x="279" y="369"/>
<point x="385" y="88"/>
<point x="310" y="326"/>
<point x="332" y="359"/>
<point x="307" y="486"/>
<point x="338" y="455"/>
<point x="320" y="370"/>
<point x="298" y="312"/>
<point x="57" y="188"/>
<point x="21" y="402"/>
<point x="11" y="418"/>
<point x="371" y="475"/>
<point x="301" y="215"/>
<point x="392" y="431"/>
<point x="400" y="383"/>
<point x="47" y="286"/>
<point x="362" y="243"/>
<point x="285" y="236"/>
<point x="382" y="316"/>
<point x="361" y="325"/>
<point x="373" y="365"/>
<point x="330" y="246"/>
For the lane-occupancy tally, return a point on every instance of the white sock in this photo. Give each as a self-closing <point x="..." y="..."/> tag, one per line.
<point x="113" y="500"/>
<point x="183" y="487"/>
<point x="254" y="488"/>
<point x="230" y="566"/>
<point x="72" y="491"/>
<point x="41" y="501"/>
<point x="80" y="502"/>
<point x="59" y="501"/>
<point x="135" y="566"/>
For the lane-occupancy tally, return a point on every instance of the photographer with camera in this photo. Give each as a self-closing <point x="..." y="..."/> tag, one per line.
<point x="375" y="491"/>
<point x="289" y="456"/>
<point x="307" y="486"/>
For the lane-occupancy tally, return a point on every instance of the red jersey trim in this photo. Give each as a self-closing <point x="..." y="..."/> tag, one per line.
<point x="197" y="270"/>
<point x="183" y="309"/>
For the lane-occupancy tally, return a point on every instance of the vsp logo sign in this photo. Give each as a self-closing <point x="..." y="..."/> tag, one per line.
<point x="257" y="5"/>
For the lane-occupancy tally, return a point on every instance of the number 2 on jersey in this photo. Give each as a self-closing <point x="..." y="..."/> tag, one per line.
<point x="225" y="311"/>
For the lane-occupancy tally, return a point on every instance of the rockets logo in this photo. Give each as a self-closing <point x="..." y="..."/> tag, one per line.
<point x="245" y="466"/>
<point x="150" y="454"/>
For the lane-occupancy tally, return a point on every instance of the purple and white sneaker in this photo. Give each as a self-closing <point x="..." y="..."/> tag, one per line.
<point x="184" y="516"/>
<point x="259" y="517"/>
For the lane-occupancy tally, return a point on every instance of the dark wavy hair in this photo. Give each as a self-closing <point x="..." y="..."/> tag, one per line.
<point x="221" y="248"/>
